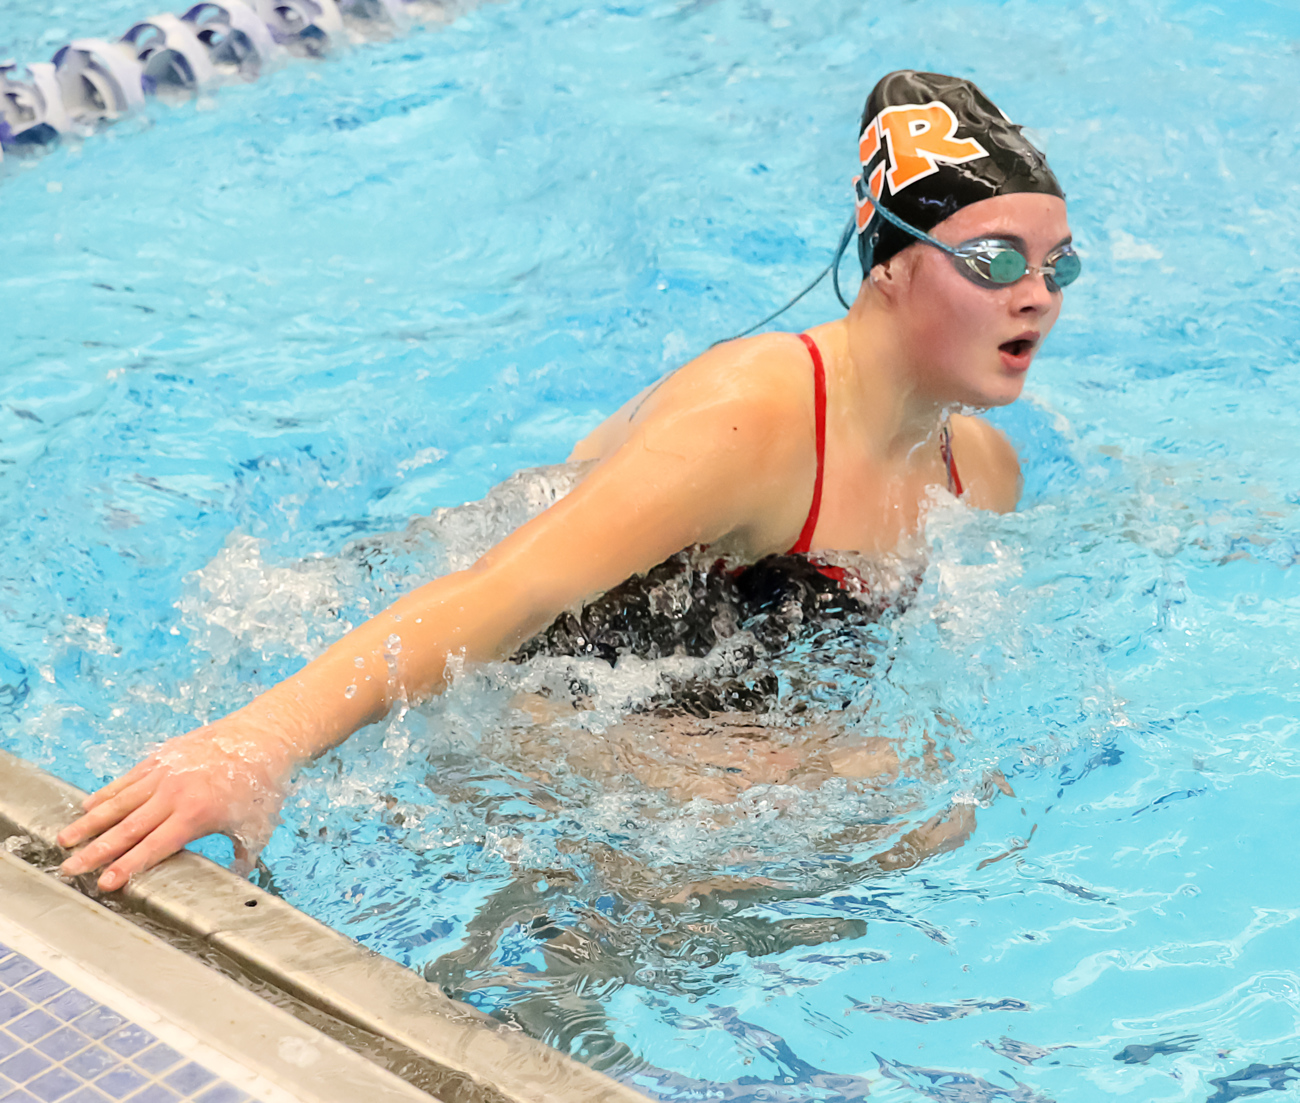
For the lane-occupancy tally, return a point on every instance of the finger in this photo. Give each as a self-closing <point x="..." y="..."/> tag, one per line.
<point x="104" y="817"/>
<point x="108" y="813"/>
<point x="165" y="840"/>
<point x="118" y="840"/>
<point x="110" y="790"/>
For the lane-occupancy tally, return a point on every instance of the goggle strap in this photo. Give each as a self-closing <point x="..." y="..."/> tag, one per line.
<point x="892" y="218"/>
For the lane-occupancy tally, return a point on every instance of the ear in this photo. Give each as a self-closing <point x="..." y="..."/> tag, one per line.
<point x="886" y="279"/>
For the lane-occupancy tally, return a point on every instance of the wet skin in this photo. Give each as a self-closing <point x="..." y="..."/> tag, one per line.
<point x="721" y="454"/>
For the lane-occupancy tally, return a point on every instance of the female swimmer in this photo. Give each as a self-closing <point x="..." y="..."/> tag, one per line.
<point x="783" y="444"/>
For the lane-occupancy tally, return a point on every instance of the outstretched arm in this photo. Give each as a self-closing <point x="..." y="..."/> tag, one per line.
<point x="690" y="476"/>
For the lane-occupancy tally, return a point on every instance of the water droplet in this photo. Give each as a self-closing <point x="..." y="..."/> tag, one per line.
<point x="393" y="644"/>
<point x="359" y="662"/>
<point x="350" y="692"/>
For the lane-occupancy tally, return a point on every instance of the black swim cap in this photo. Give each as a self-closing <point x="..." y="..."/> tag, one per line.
<point x="930" y="145"/>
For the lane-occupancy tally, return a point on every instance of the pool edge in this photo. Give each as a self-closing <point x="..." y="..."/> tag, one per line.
<point x="273" y="941"/>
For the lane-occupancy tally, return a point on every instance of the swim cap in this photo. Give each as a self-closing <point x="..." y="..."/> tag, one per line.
<point x="930" y="145"/>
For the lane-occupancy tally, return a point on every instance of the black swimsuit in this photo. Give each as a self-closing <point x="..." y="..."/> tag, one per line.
<point x="690" y="603"/>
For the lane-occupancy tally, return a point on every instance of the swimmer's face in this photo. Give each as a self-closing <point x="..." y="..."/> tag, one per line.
<point x="970" y="344"/>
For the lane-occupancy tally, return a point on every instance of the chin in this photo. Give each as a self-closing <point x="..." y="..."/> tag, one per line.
<point x="1006" y="395"/>
<point x="1002" y="393"/>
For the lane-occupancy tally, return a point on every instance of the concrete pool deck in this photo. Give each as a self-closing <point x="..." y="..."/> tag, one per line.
<point x="451" y="1051"/>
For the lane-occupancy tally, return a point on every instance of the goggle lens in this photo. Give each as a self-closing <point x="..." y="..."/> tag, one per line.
<point x="1006" y="266"/>
<point x="1066" y="269"/>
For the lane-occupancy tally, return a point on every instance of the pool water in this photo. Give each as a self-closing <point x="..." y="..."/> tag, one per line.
<point x="248" y="339"/>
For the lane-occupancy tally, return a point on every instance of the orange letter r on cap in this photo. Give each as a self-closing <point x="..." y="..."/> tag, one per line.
<point x="920" y="138"/>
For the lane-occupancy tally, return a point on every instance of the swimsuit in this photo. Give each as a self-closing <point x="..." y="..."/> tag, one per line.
<point x="693" y="601"/>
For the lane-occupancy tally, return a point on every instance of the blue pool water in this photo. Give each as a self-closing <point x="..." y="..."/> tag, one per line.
<point x="248" y="339"/>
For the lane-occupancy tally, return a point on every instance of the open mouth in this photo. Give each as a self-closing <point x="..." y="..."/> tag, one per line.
<point x="1021" y="346"/>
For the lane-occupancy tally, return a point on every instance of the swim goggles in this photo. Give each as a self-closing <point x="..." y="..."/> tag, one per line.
<point x="992" y="262"/>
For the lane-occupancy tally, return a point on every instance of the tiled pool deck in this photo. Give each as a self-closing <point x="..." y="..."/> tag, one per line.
<point x="95" y="1010"/>
<point x="59" y="1044"/>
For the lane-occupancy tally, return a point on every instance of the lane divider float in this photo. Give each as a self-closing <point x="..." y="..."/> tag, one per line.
<point x="92" y="82"/>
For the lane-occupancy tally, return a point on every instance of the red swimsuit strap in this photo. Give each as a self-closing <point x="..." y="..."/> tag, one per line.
<point x="950" y="461"/>
<point x="804" y="543"/>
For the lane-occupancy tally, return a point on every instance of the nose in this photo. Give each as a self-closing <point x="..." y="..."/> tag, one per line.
<point x="1033" y="297"/>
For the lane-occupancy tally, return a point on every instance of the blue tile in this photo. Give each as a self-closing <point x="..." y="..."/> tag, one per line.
<point x="15" y="969"/>
<point x="35" y="1024"/>
<point x="157" y="1060"/>
<point x="222" y="1093"/>
<point x="20" y="1096"/>
<point x="8" y="1045"/>
<point x="155" y="1093"/>
<point x="87" y="1095"/>
<point x="69" y="1005"/>
<point x="120" y="1083"/>
<point x="4" y="950"/>
<point x="24" y="1065"/>
<point x="42" y="986"/>
<point x="11" y="1006"/>
<point x="190" y="1078"/>
<point x="54" y="1085"/>
<point x="89" y="1063"/>
<point x="130" y="1039"/>
<point x="63" y="1043"/>
<point x="99" y="1022"/>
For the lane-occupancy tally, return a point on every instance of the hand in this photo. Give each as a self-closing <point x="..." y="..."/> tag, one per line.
<point x="225" y="777"/>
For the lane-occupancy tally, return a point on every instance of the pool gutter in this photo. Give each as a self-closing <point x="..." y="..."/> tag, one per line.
<point x="473" y="1058"/>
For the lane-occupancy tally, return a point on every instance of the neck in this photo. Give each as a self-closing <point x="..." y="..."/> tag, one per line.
<point x="884" y="395"/>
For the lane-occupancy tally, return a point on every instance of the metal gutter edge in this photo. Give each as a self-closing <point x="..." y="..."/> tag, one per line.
<point x="482" y="1061"/>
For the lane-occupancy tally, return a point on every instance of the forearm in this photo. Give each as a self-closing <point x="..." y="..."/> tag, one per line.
<point x="402" y="654"/>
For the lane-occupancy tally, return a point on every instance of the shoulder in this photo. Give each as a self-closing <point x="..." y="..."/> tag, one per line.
<point x="987" y="462"/>
<point x="772" y="369"/>
<point x="759" y="386"/>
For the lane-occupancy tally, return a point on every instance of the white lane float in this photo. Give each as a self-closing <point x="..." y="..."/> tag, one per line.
<point x="31" y="110"/>
<point x="172" y="57"/>
<point x="98" y="80"/>
<point x="238" y="42"/>
<point x="308" y="27"/>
